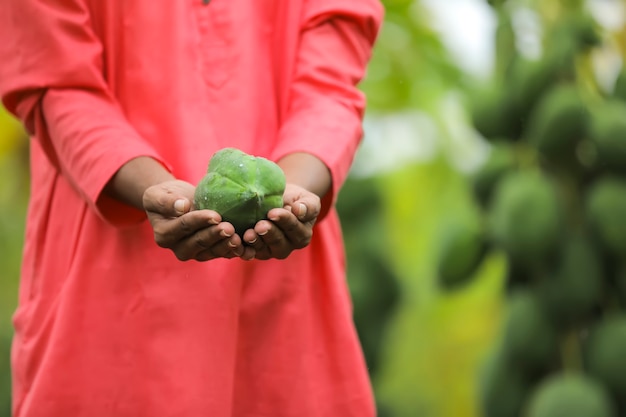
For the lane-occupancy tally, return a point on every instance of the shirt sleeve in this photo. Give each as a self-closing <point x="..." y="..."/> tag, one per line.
<point x="325" y="106"/>
<point x="52" y="79"/>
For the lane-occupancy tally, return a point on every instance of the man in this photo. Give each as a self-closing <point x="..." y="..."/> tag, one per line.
<point x="126" y="101"/>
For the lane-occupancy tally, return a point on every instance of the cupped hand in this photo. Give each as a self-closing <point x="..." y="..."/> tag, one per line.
<point x="198" y="235"/>
<point x="286" y="229"/>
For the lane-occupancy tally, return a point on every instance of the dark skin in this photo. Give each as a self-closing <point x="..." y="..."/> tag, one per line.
<point x="201" y="235"/>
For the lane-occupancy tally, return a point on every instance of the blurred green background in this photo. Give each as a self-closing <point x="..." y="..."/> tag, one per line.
<point x="482" y="217"/>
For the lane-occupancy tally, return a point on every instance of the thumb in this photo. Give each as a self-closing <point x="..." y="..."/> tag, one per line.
<point x="181" y="206"/>
<point x="159" y="199"/>
<point x="305" y="210"/>
<point x="300" y="210"/>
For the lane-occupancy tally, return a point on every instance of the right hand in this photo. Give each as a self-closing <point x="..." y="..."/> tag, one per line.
<point x="198" y="235"/>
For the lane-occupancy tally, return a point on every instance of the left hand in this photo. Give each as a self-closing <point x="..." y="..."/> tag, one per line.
<point x="288" y="228"/>
<point x="200" y="235"/>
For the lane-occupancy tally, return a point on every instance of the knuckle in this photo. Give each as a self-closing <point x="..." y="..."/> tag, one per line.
<point x="261" y="255"/>
<point x="182" y="255"/>
<point x="303" y="242"/>
<point x="148" y="199"/>
<point x="293" y="224"/>
<point x="185" y="227"/>
<point x="160" y="240"/>
<point x="282" y="255"/>
<point x="303" y="238"/>
<point x="200" y="242"/>
<point x="205" y="255"/>
<point x="272" y="240"/>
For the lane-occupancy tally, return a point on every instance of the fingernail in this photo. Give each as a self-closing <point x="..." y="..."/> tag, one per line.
<point x="263" y="233"/>
<point x="179" y="206"/>
<point x="232" y="244"/>
<point x="224" y="233"/>
<point x="252" y="242"/>
<point x="302" y="210"/>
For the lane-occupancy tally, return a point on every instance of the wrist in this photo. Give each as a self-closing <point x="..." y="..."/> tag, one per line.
<point x="307" y="171"/>
<point x="133" y="178"/>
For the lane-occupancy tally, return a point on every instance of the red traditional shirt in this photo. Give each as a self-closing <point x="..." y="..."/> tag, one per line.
<point x="109" y="324"/>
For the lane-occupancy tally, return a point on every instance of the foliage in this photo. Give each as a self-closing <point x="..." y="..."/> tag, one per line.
<point x="410" y="67"/>
<point x="13" y="197"/>
<point x="436" y="338"/>
<point x="536" y="112"/>
<point x="445" y="351"/>
<point x="433" y="341"/>
<point x="553" y="209"/>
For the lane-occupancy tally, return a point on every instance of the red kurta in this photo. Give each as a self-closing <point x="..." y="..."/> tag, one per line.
<point x="109" y="324"/>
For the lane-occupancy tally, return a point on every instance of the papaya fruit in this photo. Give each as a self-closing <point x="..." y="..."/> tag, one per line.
<point x="604" y="354"/>
<point x="242" y="188"/>
<point x="500" y="161"/>
<point x="358" y="198"/>
<point x="529" y="80"/>
<point x="525" y="217"/>
<point x="492" y="114"/>
<point x="528" y="340"/>
<point x="502" y="388"/>
<point x="571" y="395"/>
<point x="463" y="248"/>
<point x="558" y="123"/>
<point x="608" y="132"/>
<point x="576" y="288"/>
<point x="605" y="207"/>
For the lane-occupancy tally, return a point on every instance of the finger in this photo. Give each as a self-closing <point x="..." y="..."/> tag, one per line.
<point x="223" y="249"/>
<point x="261" y="250"/>
<point x="274" y="243"/>
<point x="168" y="232"/>
<point x="253" y="242"/>
<point x="250" y="237"/>
<point x="305" y="211"/>
<point x="248" y="253"/>
<point x="293" y="230"/>
<point x="214" y="242"/>
<point x="167" y="204"/>
<point x="300" y="211"/>
<point x="181" y="206"/>
<point x="201" y="242"/>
